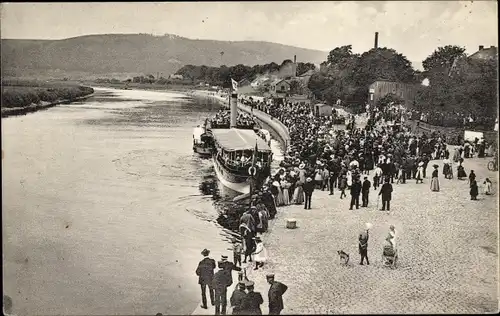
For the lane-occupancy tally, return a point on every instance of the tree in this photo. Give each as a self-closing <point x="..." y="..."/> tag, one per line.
<point x="339" y="54"/>
<point x="442" y="58"/>
<point x="382" y="63"/>
<point x="304" y="67"/>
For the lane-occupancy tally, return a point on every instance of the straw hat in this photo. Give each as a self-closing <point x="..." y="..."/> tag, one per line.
<point x="302" y="166"/>
<point x="420" y="164"/>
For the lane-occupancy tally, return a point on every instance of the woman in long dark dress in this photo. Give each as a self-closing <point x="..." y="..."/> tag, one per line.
<point x="435" y="180"/>
<point x="460" y="170"/>
<point x="474" y="190"/>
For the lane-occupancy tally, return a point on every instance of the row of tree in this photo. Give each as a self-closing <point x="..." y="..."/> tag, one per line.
<point x="346" y="76"/>
<point x="221" y="76"/>
<point x="457" y="83"/>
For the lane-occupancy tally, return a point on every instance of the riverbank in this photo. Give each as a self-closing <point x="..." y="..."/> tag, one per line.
<point x="20" y="97"/>
<point x="6" y="112"/>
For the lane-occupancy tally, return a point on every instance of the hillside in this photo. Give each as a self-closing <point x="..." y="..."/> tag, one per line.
<point x="138" y="53"/>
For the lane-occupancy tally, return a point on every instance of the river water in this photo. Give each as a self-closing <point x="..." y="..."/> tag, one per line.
<point x="105" y="207"/>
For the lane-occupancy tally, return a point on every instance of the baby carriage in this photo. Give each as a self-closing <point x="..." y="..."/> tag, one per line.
<point x="389" y="256"/>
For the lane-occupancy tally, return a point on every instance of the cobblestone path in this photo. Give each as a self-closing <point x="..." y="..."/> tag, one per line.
<point x="448" y="251"/>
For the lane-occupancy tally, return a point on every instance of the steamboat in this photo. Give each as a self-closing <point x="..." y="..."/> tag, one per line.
<point x="241" y="154"/>
<point x="202" y="141"/>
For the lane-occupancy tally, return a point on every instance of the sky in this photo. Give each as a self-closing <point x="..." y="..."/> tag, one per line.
<point x="413" y="28"/>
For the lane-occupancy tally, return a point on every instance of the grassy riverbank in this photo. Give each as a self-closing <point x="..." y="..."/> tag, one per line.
<point x="23" y="96"/>
<point x="147" y="86"/>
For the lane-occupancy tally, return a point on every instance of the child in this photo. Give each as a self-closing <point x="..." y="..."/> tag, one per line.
<point x="343" y="186"/>
<point x="487" y="186"/>
<point x="237" y="250"/>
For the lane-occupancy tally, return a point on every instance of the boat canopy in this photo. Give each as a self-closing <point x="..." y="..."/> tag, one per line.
<point x="233" y="139"/>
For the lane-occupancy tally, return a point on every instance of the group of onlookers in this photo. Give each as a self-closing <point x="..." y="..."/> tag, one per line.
<point x="244" y="300"/>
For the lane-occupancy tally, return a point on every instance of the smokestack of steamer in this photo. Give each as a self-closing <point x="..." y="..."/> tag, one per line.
<point x="234" y="109"/>
<point x="376" y="40"/>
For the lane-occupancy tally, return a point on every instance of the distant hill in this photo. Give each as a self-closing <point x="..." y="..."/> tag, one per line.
<point x="139" y="54"/>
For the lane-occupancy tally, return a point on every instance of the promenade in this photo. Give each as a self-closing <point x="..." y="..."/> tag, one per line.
<point x="448" y="251"/>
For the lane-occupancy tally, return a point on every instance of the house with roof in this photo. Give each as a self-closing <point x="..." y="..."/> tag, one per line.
<point x="280" y="87"/>
<point x="464" y="64"/>
<point x="485" y="53"/>
<point x="306" y="76"/>
<point x="381" y="88"/>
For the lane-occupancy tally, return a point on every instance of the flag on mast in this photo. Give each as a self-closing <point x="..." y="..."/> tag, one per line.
<point x="235" y="84"/>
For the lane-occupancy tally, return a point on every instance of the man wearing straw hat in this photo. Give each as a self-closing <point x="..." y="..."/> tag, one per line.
<point x="205" y="273"/>
<point x="363" y="244"/>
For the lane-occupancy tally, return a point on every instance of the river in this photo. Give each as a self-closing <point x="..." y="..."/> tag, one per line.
<point x="105" y="206"/>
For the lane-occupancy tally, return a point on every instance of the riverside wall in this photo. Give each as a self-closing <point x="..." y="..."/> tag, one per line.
<point x="275" y="127"/>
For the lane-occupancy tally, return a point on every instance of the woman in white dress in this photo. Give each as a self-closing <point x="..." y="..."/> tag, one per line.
<point x="286" y="196"/>
<point x="349" y="178"/>
<point x="260" y="254"/>
<point x="279" y="198"/>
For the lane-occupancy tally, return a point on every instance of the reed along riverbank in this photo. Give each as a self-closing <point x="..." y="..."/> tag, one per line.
<point x="23" y="96"/>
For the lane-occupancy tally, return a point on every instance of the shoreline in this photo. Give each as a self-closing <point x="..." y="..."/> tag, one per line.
<point x="17" y="111"/>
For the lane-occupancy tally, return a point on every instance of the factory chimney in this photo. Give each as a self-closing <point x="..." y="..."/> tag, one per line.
<point x="376" y="40"/>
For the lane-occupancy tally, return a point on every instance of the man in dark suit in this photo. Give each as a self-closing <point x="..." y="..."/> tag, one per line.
<point x="222" y="279"/>
<point x="252" y="301"/>
<point x="275" y="295"/>
<point x="205" y="273"/>
<point x="237" y="298"/>
<point x="355" y="192"/>
<point x="229" y="267"/>
<point x="308" y="191"/>
<point x="386" y="192"/>
<point x="365" y="192"/>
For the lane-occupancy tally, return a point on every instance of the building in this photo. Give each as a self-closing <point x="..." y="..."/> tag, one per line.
<point x="485" y="53"/>
<point x="280" y="87"/>
<point x="306" y="76"/>
<point x="322" y="109"/>
<point x="300" y="99"/>
<point x="466" y="64"/>
<point x="381" y="88"/>
<point x="244" y="82"/>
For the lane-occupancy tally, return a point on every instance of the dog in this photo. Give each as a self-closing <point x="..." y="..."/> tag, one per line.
<point x="344" y="257"/>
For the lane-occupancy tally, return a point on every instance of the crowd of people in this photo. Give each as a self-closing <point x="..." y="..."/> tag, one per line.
<point x="222" y="119"/>
<point x="323" y="156"/>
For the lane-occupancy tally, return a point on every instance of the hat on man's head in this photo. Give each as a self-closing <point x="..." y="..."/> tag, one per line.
<point x="420" y="164"/>
<point x="270" y="276"/>
<point x="223" y="258"/>
<point x="205" y="252"/>
<point x="302" y="166"/>
<point x="242" y="284"/>
<point x="220" y="264"/>
<point x="249" y="283"/>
